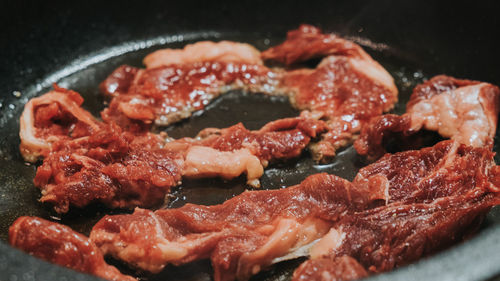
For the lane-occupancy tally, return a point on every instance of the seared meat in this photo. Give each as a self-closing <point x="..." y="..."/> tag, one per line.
<point x="346" y="89"/>
<point x="117" y="168"/>
<point x="59" y="244"/>
<point x="230" y="151"/>
<point x="178" y="82"/>
<point x="401" y="208"/>
<point x="241" y="236"/>
<point x="167" y="94"/>
<point x="398" y="234"/>
<point x="280" y="139"/>
<point x="463" y="110"/>
<point x="89" y="161"/>
<point x="436" y="197"/>
<point x="256" y="229"/>
<point x="224" y="51"/>
<point x="55" y="116"/>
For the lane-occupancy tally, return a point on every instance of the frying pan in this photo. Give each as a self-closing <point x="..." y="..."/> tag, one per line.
<point x="77" y="43"/>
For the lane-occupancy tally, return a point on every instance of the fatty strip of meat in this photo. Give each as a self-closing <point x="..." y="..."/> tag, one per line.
<point x="223" y="51"/>
<point x="59" y="244"/>
<point x="346" y="89"/>
<point x="218" y="151"/>
<point x="55" y="116"/>
<point x="463" y="110"/>
<point x="255" y="229"/>
<point x="427" y="211"/>
<point x="169" y="93"/>
<point x="241" y="236"/>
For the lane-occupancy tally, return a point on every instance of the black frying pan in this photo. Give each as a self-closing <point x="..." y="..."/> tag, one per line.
<point x="78" y="44"/>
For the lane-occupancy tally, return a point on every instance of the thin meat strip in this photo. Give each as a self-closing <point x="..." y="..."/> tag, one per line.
<point x="59" y="244"/>
<point x="230" y="151"/>
<point x="253" y="230"/>
<point x="346" y="89"/>
<point x="178" y="82"/>
<point x="438" y="196"/>
<point x="241" y="236"/>
<point x="223" y="51"/>
<point x="398" y="234"/>
<point x="55" y="116"/>
<point x="463" y="110"/>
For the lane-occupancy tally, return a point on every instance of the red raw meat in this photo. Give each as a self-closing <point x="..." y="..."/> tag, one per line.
<point x="463" y="110"/>
<point x="59" y="244"/>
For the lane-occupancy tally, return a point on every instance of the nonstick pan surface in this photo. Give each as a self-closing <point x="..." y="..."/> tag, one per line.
<point x="77" y="45"/>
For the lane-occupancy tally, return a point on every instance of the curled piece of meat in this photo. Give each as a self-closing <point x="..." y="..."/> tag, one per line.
<point x="167" y="94"/>
<point x="59" y="244"/>
<point x="241" y="236"/>
<point x="55" y="116"/>
<point x="281" y="139"/>
<point x="463" y="110"/>
<point x="230" y="151"/>
<point x="346" y="89"/>
<point x="224" y="51"/>
<point x="117" y="168"/>
<point x="308" y="42"/>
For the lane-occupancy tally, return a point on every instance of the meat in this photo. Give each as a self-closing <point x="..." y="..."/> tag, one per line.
<point x="128" y="168"/>
<point x="167" y="94"/>
<point x="308" y="42"/>
<point x="346" y="89"/>
<point x="396" y="210"/>
<point x="115" y="167"/>
<point x="442" y="170"/>
<point x="432" y="204"/>
<point x="397" y="234"/>
<point x="241" y="236"/>
<point x="231" y="151"/>
<point x="224" y="51"/>
<point x="280" y="139"/>
<point x="400" y="208"/>
<point x="463" y="110"/>
<point x="255" y="229"/>
<point x="59" y="244"/>
<point x="55" y="116"/>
